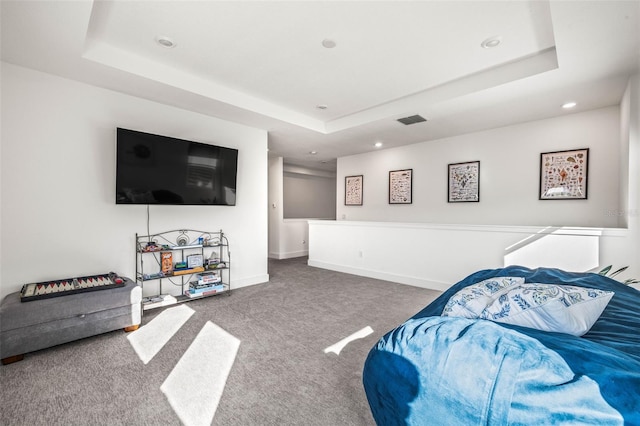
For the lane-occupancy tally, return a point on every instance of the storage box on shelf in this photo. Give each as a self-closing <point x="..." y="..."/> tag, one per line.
<point x="196" y="261"/>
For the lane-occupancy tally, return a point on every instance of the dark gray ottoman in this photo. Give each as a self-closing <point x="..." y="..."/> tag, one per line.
<point x="31" y="326"/>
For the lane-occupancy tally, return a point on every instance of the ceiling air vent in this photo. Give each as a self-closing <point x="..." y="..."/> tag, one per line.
<point x="412" y="120"/>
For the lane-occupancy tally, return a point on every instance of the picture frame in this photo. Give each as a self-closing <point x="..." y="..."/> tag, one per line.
<point x="463" y="182"/>
<point x="564" y="175"/>
<point x="195" y="260"/>
<point x="401" y="186"/>
<point x="353" y="186"/>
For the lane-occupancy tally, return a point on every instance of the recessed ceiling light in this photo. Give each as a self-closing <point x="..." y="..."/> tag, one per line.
<point x="377" y="144"/>
<point x="569" y="105"/>
<point x="313" y="152"/>
<point x="165" y="42"/>
<point x="328" y="43"/>
<point x="491" y="42"/>
<point x="322" y="106"/>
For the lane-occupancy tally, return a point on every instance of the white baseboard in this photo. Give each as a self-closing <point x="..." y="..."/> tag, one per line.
<point x="245" y="282"/>
<point x="288" y="255"/>
<point x="402" y="279"/>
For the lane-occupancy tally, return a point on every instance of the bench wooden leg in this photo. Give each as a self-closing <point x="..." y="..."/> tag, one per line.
<point x="12" y="359"/>
<point x="131" y="328"/>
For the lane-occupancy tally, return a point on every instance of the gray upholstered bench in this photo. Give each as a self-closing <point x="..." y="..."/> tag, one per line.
<point x="34" y="325"/>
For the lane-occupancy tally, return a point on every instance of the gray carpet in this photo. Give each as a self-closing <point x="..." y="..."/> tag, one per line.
<point x="281" y="374"/>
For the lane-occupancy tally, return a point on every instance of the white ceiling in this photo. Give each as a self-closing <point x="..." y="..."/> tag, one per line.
<point x="263" y="63"/>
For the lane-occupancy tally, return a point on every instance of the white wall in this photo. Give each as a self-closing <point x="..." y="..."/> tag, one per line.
<point x="626" y="251"/>
<point x="275" y="205"/>
<point x="625" y="124"/>
<point x="309" y="196"/>
<point x="436" y="255"/>
<point x="509" y="175"/>
<point x="633" y="206"/>
<point x="59" y="217"/>
<point x="294" y="238"/>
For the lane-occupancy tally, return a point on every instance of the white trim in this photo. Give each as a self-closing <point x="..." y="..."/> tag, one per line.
<point x="557" y="230"/>
<point x="303" y="219"/>
<point x="245" y="282"/>
<point x="289" y="255"/>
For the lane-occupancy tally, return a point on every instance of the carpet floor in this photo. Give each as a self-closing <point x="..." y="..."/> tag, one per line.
<point x="269" y="354"/>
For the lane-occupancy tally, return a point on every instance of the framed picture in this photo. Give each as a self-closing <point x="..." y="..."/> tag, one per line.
<point x="563" y="175"/>
<point x="400" y="190"/>
<point x="353" y="190"/>
<point x="464" y="182"/>
<point x="195" y="260"/>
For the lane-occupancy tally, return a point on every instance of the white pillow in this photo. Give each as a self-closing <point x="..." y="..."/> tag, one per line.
<point x="470" y="301"/>
<point x="560" y="308"/>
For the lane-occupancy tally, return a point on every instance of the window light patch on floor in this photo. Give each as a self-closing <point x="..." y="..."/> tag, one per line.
<point x="336" y="348"/>
<point x="195" y="385"/>
<point x="149" y="339"/>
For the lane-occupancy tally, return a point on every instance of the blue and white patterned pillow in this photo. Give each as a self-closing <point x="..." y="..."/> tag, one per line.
<point x="470" y="301"/>
<point x="560" y="308"/>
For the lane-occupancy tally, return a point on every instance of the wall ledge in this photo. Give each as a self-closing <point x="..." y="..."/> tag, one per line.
<point x="435" y="256"/>
<point x="523" y="229"/>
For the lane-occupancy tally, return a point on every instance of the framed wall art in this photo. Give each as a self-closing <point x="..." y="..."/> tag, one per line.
<point x="464" y="182"/>
<point x="563" y="175"/>
<point x="353" y="190"/>
<point x="400" y="186"/>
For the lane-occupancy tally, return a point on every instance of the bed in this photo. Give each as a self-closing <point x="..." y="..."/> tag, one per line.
<point x="437" y="369"/>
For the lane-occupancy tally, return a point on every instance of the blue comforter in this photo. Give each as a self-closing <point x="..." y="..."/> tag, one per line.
<point x="435" y="370"/>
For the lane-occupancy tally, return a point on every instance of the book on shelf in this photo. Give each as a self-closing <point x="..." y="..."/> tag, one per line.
<point x="208" y="278"/>
<point x="192" y="293"/>
<point x="199" y="288"/>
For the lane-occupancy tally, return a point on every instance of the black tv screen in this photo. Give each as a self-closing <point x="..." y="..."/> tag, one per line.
<point x="154" y="169"/>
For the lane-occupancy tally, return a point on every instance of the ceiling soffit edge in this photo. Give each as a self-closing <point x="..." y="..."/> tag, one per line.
<point x="543" y="61"/>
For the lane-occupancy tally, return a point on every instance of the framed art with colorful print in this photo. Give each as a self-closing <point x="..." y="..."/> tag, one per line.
<point x="563" y="175"/>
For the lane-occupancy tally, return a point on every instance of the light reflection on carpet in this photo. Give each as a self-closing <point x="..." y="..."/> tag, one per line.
<point x="337" y="347"/>
<point x="195" y="385"/>
<point x="150" y="338"/>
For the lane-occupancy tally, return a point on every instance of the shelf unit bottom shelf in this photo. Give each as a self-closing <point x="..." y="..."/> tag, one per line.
<point x="162" y="301"/>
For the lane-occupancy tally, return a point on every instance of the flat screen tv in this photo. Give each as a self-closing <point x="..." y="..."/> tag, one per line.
<point x="154" y="169"/>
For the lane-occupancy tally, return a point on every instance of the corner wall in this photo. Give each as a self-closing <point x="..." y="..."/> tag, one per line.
<point x="275" y="205"/>
<point x="289" y="237"/>
<point x="58" y="214"/>
<point x="626" y="251"/>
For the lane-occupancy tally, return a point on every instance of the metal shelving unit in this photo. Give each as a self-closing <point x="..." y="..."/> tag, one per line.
<point x="200" y="255"/>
